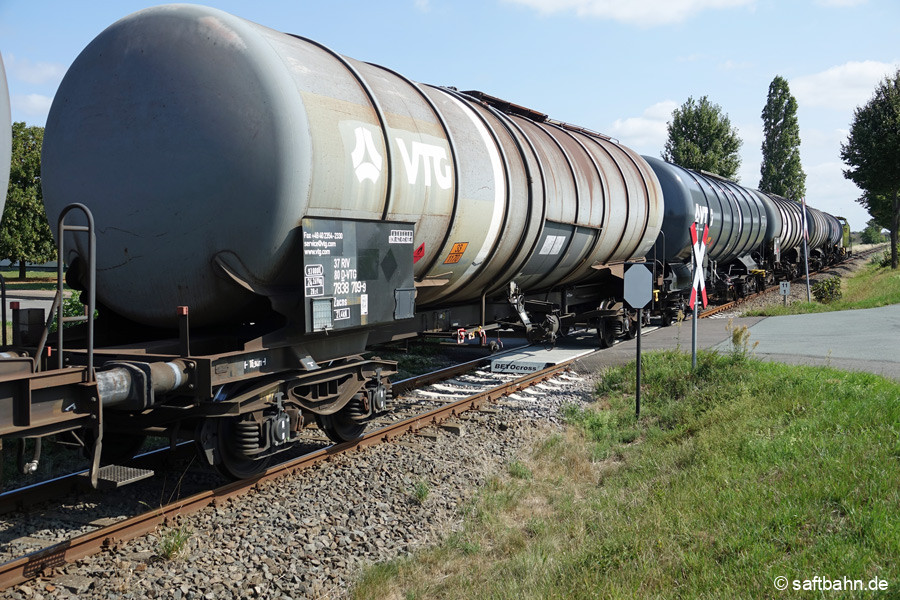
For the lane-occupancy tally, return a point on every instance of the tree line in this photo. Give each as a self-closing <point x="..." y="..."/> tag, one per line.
<point x="700" y="137"/>
<point x="24" y="232"/>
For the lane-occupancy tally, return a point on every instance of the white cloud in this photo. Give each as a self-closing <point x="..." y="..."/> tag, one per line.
<point x="843" y="87"/>
<point x="32" y="105"/>
<point x="827" y="189"/>
<point x="422" y="5"/>
<point x="35" y="73"/>
<point x="732" y="65"/>
<point x="647" y="133"/>
<point x="636" y="12"/>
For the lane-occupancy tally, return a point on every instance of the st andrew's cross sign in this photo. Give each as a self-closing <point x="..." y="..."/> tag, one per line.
<point x="699" y="252"/>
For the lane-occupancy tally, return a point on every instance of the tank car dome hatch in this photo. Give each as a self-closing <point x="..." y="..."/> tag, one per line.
<point x="5" y="135"/>
<point x="203" y="142"/>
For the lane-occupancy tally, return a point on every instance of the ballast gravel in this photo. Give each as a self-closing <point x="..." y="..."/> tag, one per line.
<point x="798" y="288"/>
<point x="310" y="534"/>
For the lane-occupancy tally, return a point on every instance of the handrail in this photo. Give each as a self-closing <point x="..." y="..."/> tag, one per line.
<point x="91" y="276"/>
<point x="3" y="300"/>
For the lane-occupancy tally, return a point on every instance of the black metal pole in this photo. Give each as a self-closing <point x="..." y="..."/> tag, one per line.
<point x="637" y="393"/>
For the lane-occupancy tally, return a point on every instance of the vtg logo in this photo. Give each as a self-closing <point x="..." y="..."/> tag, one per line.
<point x="702" y="214"/>
<point x="366" y="159"/>
<point x="418" y="157"/>
<point x="433" y="160"/>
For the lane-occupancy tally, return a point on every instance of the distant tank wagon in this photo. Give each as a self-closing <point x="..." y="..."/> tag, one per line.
<point x="755" y="238"/>
<point x="737" y="221"/>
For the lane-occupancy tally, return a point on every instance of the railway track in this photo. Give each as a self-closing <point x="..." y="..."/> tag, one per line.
<point x="420" y="402"/>
<point x="447" y="394"/>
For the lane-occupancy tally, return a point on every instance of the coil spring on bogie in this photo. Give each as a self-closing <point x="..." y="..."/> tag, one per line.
<point x="356" y="408"/>
<point x="246" y="434"/>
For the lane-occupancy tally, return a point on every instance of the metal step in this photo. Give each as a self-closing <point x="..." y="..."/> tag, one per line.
<point x="115" y="476"/>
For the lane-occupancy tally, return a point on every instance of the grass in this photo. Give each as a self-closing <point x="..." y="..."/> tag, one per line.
<point x="736" y="473"/>
<point x="173" y="542"/>
<point x="34" y="280"/>
<point x="870" y="287"/>
<point x="419" y="492"/>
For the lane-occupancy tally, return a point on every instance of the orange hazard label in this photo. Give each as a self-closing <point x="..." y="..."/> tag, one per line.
<point x="456" y="253"/>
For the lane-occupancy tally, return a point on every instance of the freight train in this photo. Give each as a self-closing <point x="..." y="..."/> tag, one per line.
<point x="755" y="238"/>
<point x="267" y="210"/>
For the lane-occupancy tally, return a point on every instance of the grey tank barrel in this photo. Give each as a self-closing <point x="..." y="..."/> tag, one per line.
<point x="134" y="385"/>
<point x="5" y="135"/>
<point x="205" y="142"/>
<point x="736" y="215"/>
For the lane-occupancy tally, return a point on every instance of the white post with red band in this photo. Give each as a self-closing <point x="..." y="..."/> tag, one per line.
<point x="698" y="251"/>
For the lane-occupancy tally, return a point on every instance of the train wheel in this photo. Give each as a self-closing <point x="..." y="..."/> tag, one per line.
<point x="629" y="325"/>
<point x="606" y="332"/>
<point x="341" y="426"/>
<point x="666" y="318"/>
<point x="237" y="436"/>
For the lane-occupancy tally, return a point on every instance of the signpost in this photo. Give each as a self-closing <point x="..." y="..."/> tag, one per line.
<point x="806" y="247"/>
<point x="785" y="287"/>
<point x="698" y="250"/>
<point x="638" y="292"/>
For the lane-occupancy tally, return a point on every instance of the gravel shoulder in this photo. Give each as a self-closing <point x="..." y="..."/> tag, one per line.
<point x="798" y="288"/>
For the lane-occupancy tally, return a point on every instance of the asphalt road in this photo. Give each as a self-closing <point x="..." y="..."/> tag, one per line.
<point x="29" y="299"/>
<point x="855" y="340"/>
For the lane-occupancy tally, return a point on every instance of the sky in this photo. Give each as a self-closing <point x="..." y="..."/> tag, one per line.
<point x="619" y="67"/>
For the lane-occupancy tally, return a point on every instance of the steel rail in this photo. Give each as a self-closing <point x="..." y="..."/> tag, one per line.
<point x="60" y="486"/>
<point x="44" y="561"/>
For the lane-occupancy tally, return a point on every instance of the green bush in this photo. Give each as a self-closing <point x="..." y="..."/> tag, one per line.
<point x="72" y="307"/>
<point x="827" y="290"/>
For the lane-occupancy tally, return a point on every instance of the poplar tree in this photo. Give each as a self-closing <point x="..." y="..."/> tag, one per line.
<point x="781" y="172"/>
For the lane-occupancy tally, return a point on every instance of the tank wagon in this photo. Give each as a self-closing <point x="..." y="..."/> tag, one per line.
<point x="266" y="209"/>
<point x="755" y="238"/>
<point x="5" y="135"/>
<point x="737" y="222"/>
<point x="784" y="237"/>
